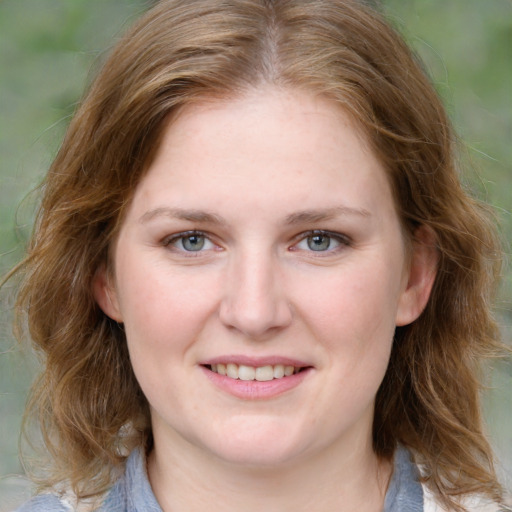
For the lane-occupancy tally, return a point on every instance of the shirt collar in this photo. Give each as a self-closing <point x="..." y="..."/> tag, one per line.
<point x="133" y="493"/>
<point x="405" y="492"/>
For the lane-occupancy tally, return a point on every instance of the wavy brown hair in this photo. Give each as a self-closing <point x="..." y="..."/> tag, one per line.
<point x="87" y="400"/>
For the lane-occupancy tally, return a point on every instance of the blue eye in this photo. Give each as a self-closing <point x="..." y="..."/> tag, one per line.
<point x="192" y="242"/>
<point x="189" y="242"/>
<point x="321" y="241"/>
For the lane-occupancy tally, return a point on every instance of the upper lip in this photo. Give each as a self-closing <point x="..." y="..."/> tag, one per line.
<point x="255" y="361"/>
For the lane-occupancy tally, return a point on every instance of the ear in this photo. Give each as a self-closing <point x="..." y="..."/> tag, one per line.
<point x="420" y="276"/>
<point x="105" y="294"/>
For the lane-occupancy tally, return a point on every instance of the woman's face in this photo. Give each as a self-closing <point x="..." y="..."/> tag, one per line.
<point x="263" y="242"/>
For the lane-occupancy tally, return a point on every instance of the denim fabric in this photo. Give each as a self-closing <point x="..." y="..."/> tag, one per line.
<point x="44" y="503"/>
<point x="405" y="493"/>
<point x="132" y="492"/>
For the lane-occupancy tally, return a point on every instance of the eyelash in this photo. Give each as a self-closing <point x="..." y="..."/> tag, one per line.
<point x="341" y="239"/>
<point x="174" y="239"/>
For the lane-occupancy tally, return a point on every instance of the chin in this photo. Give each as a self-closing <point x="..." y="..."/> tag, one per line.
<point x="258" y="457"/>
<point x="260" y="448"/>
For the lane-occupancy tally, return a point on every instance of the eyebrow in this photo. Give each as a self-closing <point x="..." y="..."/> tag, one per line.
<point x="206" y="217"/>
<point x="310" y="216"/>
<point x="182" y="214"/>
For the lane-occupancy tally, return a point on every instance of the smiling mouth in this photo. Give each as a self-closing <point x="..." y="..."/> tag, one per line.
<point x="258" y="373"/>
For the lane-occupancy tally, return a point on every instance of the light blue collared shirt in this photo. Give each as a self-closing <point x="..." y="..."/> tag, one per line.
<point x="133" y="493"/>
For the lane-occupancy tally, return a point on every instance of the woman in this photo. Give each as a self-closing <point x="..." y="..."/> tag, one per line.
<point x="255" y="278"/>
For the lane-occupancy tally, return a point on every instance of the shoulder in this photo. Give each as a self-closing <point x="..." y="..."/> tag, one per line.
<point x="45" y="503"/>
<point x="470" y="504"/>
<point x="132" y="486"/>
<point x="65" y="502"/>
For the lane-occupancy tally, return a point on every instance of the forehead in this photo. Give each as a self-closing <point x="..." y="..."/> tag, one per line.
<point x="313" y="116"/>
<point x="288" y="144"/>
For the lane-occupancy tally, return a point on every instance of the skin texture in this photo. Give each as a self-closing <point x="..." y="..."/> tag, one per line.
<point x="253" y="176"/>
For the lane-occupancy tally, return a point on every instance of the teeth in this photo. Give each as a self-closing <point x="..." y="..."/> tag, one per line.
<point x="260" y="373"/>
<point x="263" y="373"/>
<point x="278" y="371"/>
<point x="232" y="370"/>
<point x="246" y="372"/>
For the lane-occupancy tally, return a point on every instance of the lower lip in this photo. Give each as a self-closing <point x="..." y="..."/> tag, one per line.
<point x="254" y="389"/>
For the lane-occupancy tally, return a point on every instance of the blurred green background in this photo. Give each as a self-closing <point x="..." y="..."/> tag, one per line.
<point x="47" y="48"/>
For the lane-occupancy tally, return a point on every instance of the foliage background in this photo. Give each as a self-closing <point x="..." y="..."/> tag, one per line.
<point x="47" y="48"/>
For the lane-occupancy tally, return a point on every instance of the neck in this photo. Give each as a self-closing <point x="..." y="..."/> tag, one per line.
<point x="194" y="482"/>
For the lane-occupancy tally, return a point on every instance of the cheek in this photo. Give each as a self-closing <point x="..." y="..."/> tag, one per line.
<point x="164" y="318"/>
<point x="355" y="316"/>
<point x="162" y="309"/>
<point x="361" y="300"/>
<point x="352" y="315"/>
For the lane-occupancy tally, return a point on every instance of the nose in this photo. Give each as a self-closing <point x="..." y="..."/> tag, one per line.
<point x="255" y="301"/>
